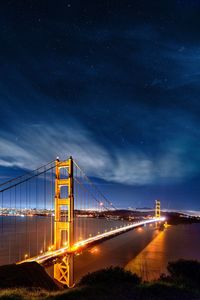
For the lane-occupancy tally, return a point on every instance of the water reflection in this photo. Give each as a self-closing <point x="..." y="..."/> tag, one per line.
<point x="175" y="242"/>
<point x="149" y="263"/>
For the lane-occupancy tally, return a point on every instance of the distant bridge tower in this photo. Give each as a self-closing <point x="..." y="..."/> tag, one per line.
<point x="64" y="270"/>
<point x="157" y="209"/>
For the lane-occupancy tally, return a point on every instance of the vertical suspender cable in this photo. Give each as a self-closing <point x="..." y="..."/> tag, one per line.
<point x="20" y="207"/>
<point x="10" y="233"/>
<point x="36" y="215"/>
<point x="26" y="194"/>
<point x="29" y="233"/>
<point x="52" y="204"/>
<point x="46" y="217"/>
<point x="15" y="221"/>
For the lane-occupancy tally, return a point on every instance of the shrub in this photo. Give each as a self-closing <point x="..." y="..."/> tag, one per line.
<point x="185" y="272"/>
<point x="112" y="275"/>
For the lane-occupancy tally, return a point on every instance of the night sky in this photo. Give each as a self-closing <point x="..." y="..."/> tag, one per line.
<point x="115" y="84"/>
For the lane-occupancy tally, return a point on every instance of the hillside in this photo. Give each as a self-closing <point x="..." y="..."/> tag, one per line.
<point x="25" y="275"/>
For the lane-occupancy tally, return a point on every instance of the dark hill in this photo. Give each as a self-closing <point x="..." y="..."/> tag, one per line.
<point x="25" y="275"/>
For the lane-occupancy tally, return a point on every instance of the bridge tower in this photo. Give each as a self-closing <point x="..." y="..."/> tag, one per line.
<point x="157" y="209"/>
<point x="64" y="270"/>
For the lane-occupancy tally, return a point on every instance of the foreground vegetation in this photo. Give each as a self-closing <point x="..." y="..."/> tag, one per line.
<point x="183" y="282"/>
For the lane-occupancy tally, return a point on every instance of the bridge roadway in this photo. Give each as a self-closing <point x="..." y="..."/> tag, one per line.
<point x="52" y="254"/>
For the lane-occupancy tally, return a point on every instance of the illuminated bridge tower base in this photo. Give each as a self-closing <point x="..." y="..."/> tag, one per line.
<point x="157" y="209"/>
<point x="64" y="270"/>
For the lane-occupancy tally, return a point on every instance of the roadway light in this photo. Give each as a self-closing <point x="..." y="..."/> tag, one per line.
<point x="26" y="256"/>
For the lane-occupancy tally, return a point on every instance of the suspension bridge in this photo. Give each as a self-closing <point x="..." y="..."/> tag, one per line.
<point x="51" y="213"/>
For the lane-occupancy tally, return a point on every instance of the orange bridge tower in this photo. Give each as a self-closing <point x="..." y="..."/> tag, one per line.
<point x="64" y="270"/>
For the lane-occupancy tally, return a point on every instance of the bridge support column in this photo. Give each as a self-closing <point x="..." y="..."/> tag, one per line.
<point x="64" y="270"/>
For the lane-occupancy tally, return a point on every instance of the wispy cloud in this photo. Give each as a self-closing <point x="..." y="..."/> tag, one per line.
<point x="39" y="143"/>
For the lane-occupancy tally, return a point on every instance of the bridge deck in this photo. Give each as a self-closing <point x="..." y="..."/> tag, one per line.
<point x="85" y="243"/>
